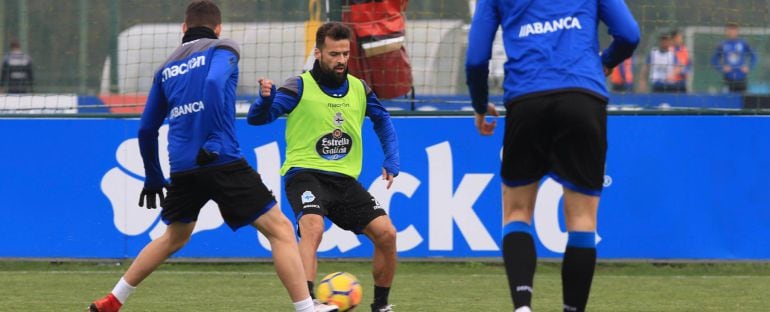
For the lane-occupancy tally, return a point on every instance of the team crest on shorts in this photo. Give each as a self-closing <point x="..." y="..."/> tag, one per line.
<point x="307" y="197"/>
<point x="376" y="204"/>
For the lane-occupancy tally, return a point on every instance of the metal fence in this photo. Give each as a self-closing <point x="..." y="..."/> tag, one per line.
<point x="76" y="45"/>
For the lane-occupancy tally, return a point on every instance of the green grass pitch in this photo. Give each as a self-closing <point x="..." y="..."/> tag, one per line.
<point x="419" y="286"/>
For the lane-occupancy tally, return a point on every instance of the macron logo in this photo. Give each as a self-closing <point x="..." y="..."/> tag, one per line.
<point x="538" y="28"/>
<point x="181" y="69"/>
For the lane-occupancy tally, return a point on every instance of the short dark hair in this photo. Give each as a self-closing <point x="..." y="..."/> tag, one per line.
<point x="732" y="25"/>
<point x="675" y="33"/>
<point x="15" y="44"/>
<point x="333" y="30"/>
<point x="202" y="13"/>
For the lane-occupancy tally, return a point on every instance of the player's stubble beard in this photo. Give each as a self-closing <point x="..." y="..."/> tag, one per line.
<point x="337" y="78"/>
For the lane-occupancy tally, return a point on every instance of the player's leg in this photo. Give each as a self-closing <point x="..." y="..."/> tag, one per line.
<point x="382" y="233"/>
<point x="311" y="227"/>
<point x="243" y="199"/>
<point x="580" y="211"/>
<point x="305" y="192"/>
<point x="307" y="198"/>
<point x="152" y="255"/>
<point x="519" y="253"/>
<point x="288" y="265"/>
<point x="580" y="145"/>
<point x="358" y="211"/>
<point x="156" y="252"/>
<point x="526" y="144"/>
<point x="183" y="202"/>
<point x="286" y="258"/>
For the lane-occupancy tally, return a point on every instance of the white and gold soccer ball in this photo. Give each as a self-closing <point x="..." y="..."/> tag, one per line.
<point x="341" y="289"/>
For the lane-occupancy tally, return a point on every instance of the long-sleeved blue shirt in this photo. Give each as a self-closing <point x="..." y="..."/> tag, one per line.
<point x="733" y="53"/>
<point x="267" y="109"/>
<point x="550" y="45"/>
<point x="195" y="90"/>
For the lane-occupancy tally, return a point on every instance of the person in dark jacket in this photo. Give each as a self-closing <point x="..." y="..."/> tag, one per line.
<point x="16" y="74"/>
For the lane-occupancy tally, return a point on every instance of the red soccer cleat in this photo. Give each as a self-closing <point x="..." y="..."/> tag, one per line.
<point x="107" y="304"/>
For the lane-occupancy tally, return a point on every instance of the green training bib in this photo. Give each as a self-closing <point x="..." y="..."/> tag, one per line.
<point x="324" y="132"/>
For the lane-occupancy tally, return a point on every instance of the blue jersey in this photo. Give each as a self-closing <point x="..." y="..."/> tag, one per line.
<point x="195" y="90"/>
<point x="551" y="45"/>
<point x="733" y="53"/>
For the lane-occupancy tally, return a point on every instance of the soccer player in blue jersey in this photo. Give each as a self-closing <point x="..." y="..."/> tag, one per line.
<point x="555" y="97"/>
<point x="195" y="90"/>
<point x="326" y="108"/>
<point x="734" y="58"/>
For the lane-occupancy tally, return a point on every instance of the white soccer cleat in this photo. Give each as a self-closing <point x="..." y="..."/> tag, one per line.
<point x="387" y="308"/>
<point x="523" y="309"/>
<point x="322" y="307"/>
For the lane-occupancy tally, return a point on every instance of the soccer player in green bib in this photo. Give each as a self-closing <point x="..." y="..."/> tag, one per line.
<point x="326" y="108"/>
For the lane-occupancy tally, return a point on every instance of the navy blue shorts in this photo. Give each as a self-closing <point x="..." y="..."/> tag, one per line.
<point x="561" y="134"/>
<point x="235" y="187"/>
<point x="342" y="199"/>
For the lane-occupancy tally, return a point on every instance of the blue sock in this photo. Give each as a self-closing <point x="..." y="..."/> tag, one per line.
<point x="516" y="226"/>
<point x="581" y="239"/>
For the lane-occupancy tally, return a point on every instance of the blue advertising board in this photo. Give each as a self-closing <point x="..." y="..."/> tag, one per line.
<point x="677" y="187"/>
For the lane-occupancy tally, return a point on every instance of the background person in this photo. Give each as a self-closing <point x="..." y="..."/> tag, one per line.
<point x="661" y="67"/>
<point x="734" y="58"/>
<point x="17" y="75"/>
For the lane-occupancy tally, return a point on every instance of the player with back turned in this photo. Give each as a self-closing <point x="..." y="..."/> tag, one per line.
<point x="195" y="89"/>
<point x="556" y="121"/>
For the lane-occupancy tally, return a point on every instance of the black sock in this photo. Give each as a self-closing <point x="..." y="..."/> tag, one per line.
<point x="380" y="296"/>
<point x="577" y="270"/>
<point x="520" y="262"/>
<point x="310" y="287"/>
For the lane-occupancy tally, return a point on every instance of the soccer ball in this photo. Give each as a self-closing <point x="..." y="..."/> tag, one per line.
<point x="341" y="289"/>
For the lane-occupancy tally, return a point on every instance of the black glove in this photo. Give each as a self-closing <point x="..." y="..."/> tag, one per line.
<point x="205" y="157"/>
<point x="150" y="195"/>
